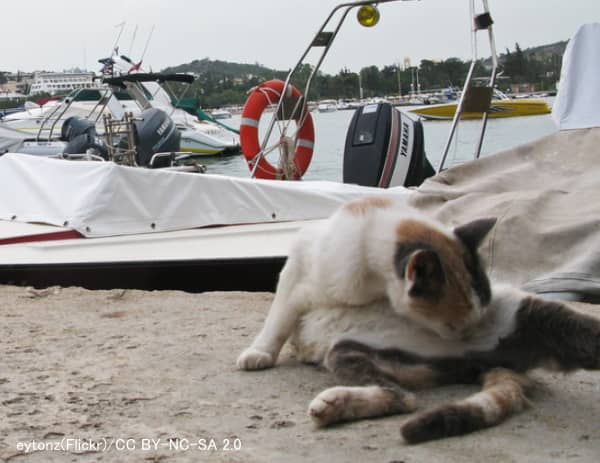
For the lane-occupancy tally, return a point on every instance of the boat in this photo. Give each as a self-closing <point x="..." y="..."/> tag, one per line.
<point x="500" y="106"/>
<point x="141" y="92"/>
<point x="197" y="136"/>
<point x="327" y="106"/>
<point x="150" y="139"/>
<point x="221" y="114"/>
<point x="103" y="225"/>
<point x="348" y="104"/>
<point x="7" y="111"/>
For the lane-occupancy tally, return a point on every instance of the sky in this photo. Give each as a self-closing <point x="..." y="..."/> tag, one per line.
<point x="63" y="34"/>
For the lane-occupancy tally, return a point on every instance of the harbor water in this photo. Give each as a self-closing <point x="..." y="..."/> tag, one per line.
<point x="330" y="137"/>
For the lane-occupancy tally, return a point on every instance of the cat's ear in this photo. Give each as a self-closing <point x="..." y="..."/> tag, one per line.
<point x="473" y="233"/>
<point x="425" y="274"/>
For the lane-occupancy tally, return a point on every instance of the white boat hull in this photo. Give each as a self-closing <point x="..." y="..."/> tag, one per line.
<point x="245" y="257"/>
<point x="111" y="226"/>
<point x="197" y="142"/>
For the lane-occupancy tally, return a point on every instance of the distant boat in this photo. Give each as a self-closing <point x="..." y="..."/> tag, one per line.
<point x="327" y="106"/>
<point x="7" y="111"/>
<point x="220" y="114"/>
<point x="499" y="107"/>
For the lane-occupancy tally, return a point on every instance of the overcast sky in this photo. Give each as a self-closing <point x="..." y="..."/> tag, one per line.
<point x="61" y="34"/>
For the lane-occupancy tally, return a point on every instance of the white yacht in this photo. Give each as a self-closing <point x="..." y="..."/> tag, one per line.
<point x="199" y="137"/>
<point x="327" y="106"/>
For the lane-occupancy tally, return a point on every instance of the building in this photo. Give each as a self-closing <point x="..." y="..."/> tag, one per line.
<point x="15" y="82"/>
<point x="523" y="88"/>
<point x="60" y="82"/>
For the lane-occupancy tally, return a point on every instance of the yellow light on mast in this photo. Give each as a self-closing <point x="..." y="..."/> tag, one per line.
<point x="368" y="15"/>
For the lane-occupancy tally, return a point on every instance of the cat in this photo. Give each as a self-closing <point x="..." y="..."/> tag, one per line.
<point x="392" y="301"/>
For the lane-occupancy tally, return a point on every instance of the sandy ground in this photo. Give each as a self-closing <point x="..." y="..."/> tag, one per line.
<point x="152" y="376"/>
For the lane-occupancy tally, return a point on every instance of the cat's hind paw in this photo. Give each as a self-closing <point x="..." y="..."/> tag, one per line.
<point x="345" y="403"/>
<point x="254" y="359"/>
<point x="330" y="406"/>
<point x="445" y="421"/>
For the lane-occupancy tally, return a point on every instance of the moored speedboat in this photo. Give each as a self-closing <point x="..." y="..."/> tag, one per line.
<point x="327" y="106"/>
<point x="221" y="114"/>
<point x="144" y="91"/>
<point x="498" y="108"/>
<point x="197" y="136"/>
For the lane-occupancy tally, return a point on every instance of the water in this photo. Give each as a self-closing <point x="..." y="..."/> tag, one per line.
<point x="330" y="136"/>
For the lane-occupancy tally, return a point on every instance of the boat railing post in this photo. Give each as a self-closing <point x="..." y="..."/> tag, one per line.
<point x="492" y="79"/>
<point x="45" y="120"/>
<point x="288" y="79"/>
<point x="103" y="100"/>
<point x="456" y="117"/>
<point x="67" y="102"/>
<point x="475" y="28"/>
<point x="315" y="42"/>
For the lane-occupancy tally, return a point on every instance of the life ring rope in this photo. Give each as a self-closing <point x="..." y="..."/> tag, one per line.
<point x="291" y="165"/>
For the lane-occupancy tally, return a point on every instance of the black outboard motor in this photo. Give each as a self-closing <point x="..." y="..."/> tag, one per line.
<point x="155" y="133"/>
<point x="385" y="147"/>
<point x="80" y="133"/>
<point x="75" y="126"/>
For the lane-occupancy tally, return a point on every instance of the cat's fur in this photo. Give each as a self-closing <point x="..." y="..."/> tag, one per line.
<point x="391" y="301"/>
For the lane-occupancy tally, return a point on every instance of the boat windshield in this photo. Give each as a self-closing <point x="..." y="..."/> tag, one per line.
<point x="92" y="94"/>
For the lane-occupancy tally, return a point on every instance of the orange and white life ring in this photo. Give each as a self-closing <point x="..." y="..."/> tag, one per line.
<point x="266" y="93"/>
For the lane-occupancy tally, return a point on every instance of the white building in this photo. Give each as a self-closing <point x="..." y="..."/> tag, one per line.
<point x="60" y="82"/>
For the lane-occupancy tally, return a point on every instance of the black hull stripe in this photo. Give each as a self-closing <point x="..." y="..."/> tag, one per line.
<point x="254" y="274"/>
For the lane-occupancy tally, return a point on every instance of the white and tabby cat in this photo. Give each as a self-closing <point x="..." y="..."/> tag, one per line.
<point x="391" y="301"/>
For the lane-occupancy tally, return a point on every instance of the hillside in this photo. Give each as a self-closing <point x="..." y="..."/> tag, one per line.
<point x="557" y="48"/>
<point x="221" y="83"/>
<point x="225" y="69"/>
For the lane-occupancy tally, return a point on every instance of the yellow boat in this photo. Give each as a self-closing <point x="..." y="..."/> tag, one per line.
<point x="498" y="108"/>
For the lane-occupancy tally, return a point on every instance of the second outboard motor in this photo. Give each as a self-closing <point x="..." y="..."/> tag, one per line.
<point x="155" y="133"/>
<point x="87" y="143"/>
<point x="385" y="147"/>
<point x="80" y="135"/>
<point x="75" y="126"/>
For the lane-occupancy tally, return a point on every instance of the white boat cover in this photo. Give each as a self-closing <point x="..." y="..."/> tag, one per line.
<point x="578" y="99"/>
<point x="105" y="199"/>
<point x="546" y="196"/>
<point x="10" y="139"/>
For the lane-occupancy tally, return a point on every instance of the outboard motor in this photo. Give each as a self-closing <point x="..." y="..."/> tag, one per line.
<point x="385" y="147"/>
<point x="75" y="126"/>
<point x="155" y="133"/>
<point x="80" y="135"/>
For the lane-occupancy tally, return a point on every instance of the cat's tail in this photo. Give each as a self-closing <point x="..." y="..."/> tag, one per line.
<point x="503" y="394"/>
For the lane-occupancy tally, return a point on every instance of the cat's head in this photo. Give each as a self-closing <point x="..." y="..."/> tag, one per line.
<point x="441" y="283"/>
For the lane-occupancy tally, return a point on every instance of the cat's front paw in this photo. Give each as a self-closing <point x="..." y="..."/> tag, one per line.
<point x="254" y="359"/>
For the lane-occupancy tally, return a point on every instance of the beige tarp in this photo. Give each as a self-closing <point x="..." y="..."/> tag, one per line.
<point x="546" y="196"/>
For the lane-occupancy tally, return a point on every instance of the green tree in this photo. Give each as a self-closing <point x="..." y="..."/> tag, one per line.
<point x="515" y="64"/>
<point x="370" y="80"/>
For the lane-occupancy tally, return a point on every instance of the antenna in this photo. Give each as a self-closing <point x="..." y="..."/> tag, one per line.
<point x="122" y="26"/>
<point x="147" y="43"/>
<point x="84" y="56"/>
<point x="132" y="40"/>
